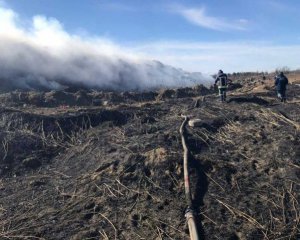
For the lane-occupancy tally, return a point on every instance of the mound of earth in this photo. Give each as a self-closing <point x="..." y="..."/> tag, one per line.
<point x="71" y="169"/>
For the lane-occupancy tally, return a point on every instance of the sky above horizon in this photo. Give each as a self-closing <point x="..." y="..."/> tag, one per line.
<point x="202" y="36"/>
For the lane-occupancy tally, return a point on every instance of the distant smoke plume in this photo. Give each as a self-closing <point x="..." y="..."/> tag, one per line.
<point x="44" y="56"/>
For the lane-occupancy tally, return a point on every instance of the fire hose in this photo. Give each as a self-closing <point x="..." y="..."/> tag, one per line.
<point x="189" y="215"/>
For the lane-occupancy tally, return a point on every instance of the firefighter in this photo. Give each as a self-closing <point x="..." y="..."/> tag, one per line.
<point x="281" y="82"/>
<point x="222" y="82"/>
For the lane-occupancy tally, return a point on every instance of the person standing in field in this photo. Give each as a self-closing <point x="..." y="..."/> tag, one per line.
<point x="281" y="82"/>
<point x="222" y="82"/>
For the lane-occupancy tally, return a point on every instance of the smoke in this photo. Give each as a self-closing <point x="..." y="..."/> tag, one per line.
<point x="42" y="55"/>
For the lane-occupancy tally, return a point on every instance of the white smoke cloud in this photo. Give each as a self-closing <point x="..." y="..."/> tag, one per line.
<point x="43" y="55"/>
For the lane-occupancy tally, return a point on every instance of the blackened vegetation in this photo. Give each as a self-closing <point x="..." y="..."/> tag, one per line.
<point x="112" y="169"/>
<point x="252" y="99"/>
<point x="78" y="97"/>
<point x="30" y="139"/>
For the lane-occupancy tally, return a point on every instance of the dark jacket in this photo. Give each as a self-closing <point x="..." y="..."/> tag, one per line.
<point x="221" y="79"/>
<point x="280" y="82"/>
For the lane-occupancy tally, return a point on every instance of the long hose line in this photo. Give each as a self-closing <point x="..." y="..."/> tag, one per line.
<point x="190" y="217"/>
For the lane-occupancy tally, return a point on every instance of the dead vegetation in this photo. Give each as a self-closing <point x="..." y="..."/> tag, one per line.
<point x="115" y="171"/>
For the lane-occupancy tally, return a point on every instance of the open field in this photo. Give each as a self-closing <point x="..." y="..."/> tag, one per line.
<point x="97" y="165"/>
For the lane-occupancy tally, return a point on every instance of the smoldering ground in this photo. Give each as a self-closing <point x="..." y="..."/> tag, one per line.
<point x="42" y="55"/>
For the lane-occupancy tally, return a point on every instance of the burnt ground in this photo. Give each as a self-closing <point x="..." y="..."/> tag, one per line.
<point x="112" y="168"/>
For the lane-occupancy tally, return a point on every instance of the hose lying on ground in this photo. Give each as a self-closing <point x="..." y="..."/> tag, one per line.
<point x="190" y="217"/>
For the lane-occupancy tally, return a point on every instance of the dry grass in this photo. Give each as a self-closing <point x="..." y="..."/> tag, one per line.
<point x="276" y="119"/>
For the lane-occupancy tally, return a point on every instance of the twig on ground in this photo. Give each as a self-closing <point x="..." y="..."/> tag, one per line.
<point x="116" y="232"/>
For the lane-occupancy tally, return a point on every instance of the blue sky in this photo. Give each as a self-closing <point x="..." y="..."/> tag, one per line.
<point x="236" y="35"/>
